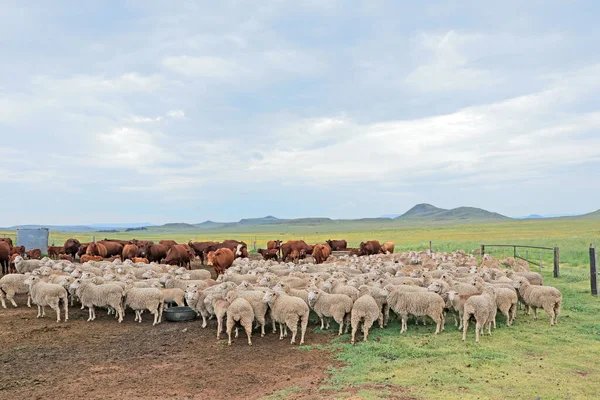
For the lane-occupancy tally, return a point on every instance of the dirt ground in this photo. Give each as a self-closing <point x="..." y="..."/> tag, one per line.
<point x="43" y="359"/>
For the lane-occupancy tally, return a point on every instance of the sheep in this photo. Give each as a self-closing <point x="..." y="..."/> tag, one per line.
<point x="140" y="299"/>
<point x="547" y="297"/>
<point x="183" y="284"/>
<point x="195" y="297"/>
<point x="418" y="304"/>
<point x="11" y="284"/>
<point x="255" y="298"/>
<point x="92" y="295"/>
<point x="457" y="301"/>
<point x="174" y="295"/>
<point x="195" y="274"/>
<point x="22" y="266"/>
<point x="380" y="296"/>
<point x="334" y="286"/>
<point x="483" y="308"/>
<point x="240" y="310"/>
<point x="47" y="294"/>
<point x="506" y="301"/>
<point x="324" y="304"/>
<point x="288" y="309"/>
<point x="365" y="308"/>
<point x="217" y="305"/>
<point x="284" y="287"/>
<point x="533" y="277"/>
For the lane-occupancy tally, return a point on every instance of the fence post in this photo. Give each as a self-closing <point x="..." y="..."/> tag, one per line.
<point x="482" y="251"/>
<point x="431" y="251"/>
<point x="556" y="262"/>
<point x="593" y="271"/>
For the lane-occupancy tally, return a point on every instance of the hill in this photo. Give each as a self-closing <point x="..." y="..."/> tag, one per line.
<point x="425" y="213"/>
<point x="592" y="215"/>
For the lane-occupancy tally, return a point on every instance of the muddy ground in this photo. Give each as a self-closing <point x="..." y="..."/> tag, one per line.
<point x="43" y="359"/>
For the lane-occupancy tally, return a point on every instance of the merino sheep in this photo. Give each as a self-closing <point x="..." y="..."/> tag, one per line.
<point x="47" y="294"/>
<point x="288" y="310"/>
<point x="240" y="310"/>
<point x="12" y="284"/>
<point x="140" y="299"/>
<point x="92" y="295"/>
<point x="255" y="298"/>
<point x="547" y="297"/>
<point x="419" y="304"/>
<point x="533" y="277"/>
<point x="337" y="306"/>
<point x="364" y="309"/>
<point x="22" y="266"/>
<point x="483" y="308"/>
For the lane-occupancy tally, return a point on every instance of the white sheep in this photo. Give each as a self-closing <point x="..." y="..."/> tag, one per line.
<point x="326" y="305"/>
<point x="483" y="308"/>
<point x="240" y="310"/>
<point x="419" y="304"/>
<point x="11" y="284"/>
<point x="92" y="295"/>
<point x="22" y="266"/>
<point x="364" y="309"/>
<point x="288" y="310"/>
<point x="47" y="294"/>
<point x="255" y="298"/>
<point x="140" y="299"/>
<point x="547" y="297"/>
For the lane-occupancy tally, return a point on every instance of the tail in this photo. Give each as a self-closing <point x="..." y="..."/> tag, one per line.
<point x="161" y="306"/>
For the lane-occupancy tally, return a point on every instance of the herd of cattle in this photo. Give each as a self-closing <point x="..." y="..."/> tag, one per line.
<point x="219" y="255"/>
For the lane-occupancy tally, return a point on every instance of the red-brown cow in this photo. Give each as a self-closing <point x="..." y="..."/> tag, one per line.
<point x="96" y="249"/>
<point x="273" y="244"/>
<point x="199" y="248"/>
<point x="321" y="253"/>
<point x="112" y="248"/>
<point x="154" y="252"/>
<point x="4" y="256"/>
<point x="369" y="248"/>
<point x="20" y="250"/>
<point x="7" y="240"/>
<point x="55" y="251"/>
<point x="67" y="257"/>
<point x="294" y="256"/>
<point x="220" y="260"/>
<point x="87" y="257"/>
<point x="292" y="245"/>
<point x="269" y="254"/>
<point x="130" y="251"/>
<point x="177" y="255"/>
<point x="168" y="243"/>
<point x="337" y="245"/>
<point x="34" y="254"/>
<point x="387" y="247"/>
<point x="72" y="246"/>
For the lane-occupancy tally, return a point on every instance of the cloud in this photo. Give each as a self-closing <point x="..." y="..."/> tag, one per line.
<point x="176" y="114"/>
<point x="205" y="67"/>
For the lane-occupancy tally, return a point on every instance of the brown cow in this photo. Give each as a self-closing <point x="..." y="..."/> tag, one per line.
<point x="177" y="255"/>
<point x="337" y="245"/>
<point x="72" y="246"/>
<point x="140" y="260"/>
<point x="369" y="248"/>
<point x="113" y="258"/>
<point x="121" y="242"/>
<point x="154" y="252"/>
<point x="67" y="257"/>
<point x="87" y="257"/>
<point x="34" y="254"/>
<point x="199" y="248"/>
<point x="55" y="251"/>
<point x="168" y="243"/>
<point x="269" y="254"/>
<point x="11" y="265"/>
<point x="20" y="250"/>
<point x="5" y="256"/>
<point x="7" y="240"/>
<point x="273" y="244"/>
<point x="82" y="249"/>
<point x="387" y="247"/>
<point x="292" y="245"/>
<point x="130" y="251"/>
<point x="113" y="248"/>
<point x="220" y="260"/>
<point x="294" y="256"/>
<point x="96" y="249"/>
<point x="321" y="253"/>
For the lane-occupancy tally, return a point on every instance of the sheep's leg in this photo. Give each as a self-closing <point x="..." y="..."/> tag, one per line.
<point x="461" y="318"/>
<point x="2" y="300"/>
<point x="404" y="325"/>
<point x="456" y="321"/>
<point x="120" y="312"/>
<point x="219" y="327"/>
<point x="534" y="312"/>
<point x="438" y="323"/>
<point x="465" y="325"/>
<point x="507" y="316"/>
<point x="155" y="313"/>
<point x="292" y="323"/>
<point x="322" y="322"/>
<point x="203" y="319"/>
<point x="280" y="331"/>
<point x="248" y="329"/>
<point x="380" y="320"/>
<point x="443" y="321"/>
<point x="28" y="300"/>
<point x="230" y="324"/>
<point x="90" y="315"/>
<point x="386" y="314"/>
<point x="303" y="325"/>
<point x="366" y="326"/>
<point x="236" y="331"/>
<point x="478" y="327"/>
<point x="550" y="311"/>
<point x="340" y="321"/>
<point x="56" y="308"/>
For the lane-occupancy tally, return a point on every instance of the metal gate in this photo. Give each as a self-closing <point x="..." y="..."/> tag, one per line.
<point x="33" y="239"/>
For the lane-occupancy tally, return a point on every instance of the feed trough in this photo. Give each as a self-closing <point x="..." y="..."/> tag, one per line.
<point x="178" y="314"/>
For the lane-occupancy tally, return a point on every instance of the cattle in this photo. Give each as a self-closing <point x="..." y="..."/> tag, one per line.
<point x="294" y="256"/>
<point x="113" y="258"/>
<point x="121" y="242"/>
<point x="7" y="240"/>
<point x="140" y="260"/>
<point x="34" y="254"/>
<point x="239" y="249"/>
<point x="291" y="245"/>
<point x="220" y="260"/>
<point x="55" y="251"/>
<point x="353" y="251"/>
<point x="168" y="243"/>
<point x="177" y="255"/>
<point x="72" y="246"/>
<point x="129" y="251"/>
<point x="4" y="256"/>
<point x="321" y="253"/>
<point x="154" y="252"/>
<point x="369" y="248"/>
<point x="387" y="248"/>
<point x="199" y="248"/>
<point x="269" y="254"/>
<point x="82" y="249"/>
<point x="20" y="250"/>
<point x="11" y="265"/>
<point x="96" y="249"/>
<point x="337" y="245"/>
<point x="87" y="257"/>
<point x="67" y="257"/>
<point x="113" y="248"/>
<point x="273" y="244"/>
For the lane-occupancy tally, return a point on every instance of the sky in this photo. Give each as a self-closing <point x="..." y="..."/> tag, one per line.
<point x="186" y="111"/>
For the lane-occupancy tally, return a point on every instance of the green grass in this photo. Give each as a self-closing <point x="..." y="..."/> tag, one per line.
<point x="526" y="361"/>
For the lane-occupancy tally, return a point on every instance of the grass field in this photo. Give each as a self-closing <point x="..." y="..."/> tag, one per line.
<point x="526" y="361"/>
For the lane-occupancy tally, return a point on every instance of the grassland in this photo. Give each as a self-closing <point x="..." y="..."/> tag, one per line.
<point x="526" y="361"/>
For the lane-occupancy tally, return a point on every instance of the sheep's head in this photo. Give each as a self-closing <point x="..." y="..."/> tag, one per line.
<point x="75" y="284"/>
<point x="435" y="287"/>
<point x="313" y="296"/>
<point x="452" y="295"/>
<point x="270" y="296"/>
<point x="517" y="283"/>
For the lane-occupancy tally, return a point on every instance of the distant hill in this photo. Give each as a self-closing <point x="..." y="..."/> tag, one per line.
<point x="58" y="228"/>
<point x="429" y="213"/>
<point x="176" y="225"/>
<point x="592" y="215"/>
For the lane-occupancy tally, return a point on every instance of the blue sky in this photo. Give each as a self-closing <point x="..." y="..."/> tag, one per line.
<point x="160" y="112"/>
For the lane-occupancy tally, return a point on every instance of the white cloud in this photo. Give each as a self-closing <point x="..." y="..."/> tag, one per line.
<point x="205" y="67"/>
<point x="128" y="82"/>
<point x="176" y="114"/>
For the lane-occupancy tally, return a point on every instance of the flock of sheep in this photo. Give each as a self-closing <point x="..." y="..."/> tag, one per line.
<point x="353" y="291"/>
